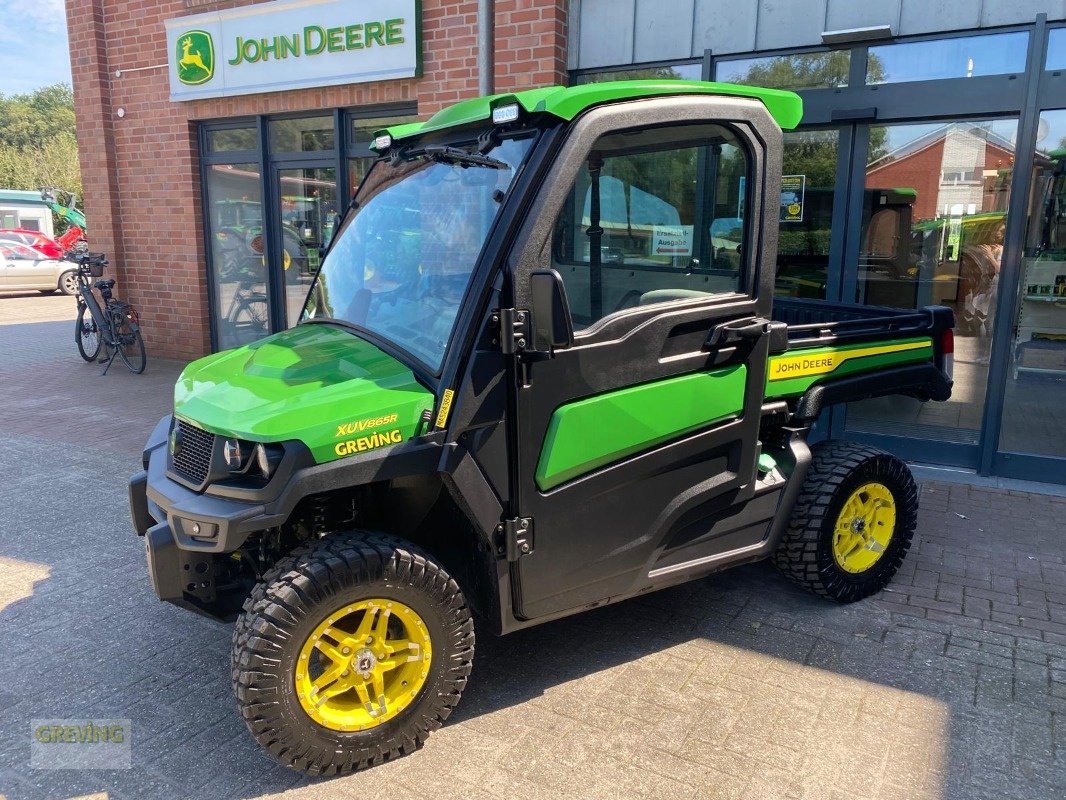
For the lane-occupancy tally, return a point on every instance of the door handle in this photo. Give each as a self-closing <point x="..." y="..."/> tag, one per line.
<point x="737" y="332"/>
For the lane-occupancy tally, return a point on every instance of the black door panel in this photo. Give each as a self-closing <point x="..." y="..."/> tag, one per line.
<point x="682" y="492"/>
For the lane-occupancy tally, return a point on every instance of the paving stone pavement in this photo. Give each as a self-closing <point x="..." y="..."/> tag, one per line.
<point x="951" y="684"/>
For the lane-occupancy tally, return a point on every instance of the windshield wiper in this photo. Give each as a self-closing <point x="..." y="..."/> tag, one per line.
<point x="456" y="155"/>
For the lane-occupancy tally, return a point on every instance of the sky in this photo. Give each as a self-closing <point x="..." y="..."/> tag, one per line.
<point x="33" y="45"/>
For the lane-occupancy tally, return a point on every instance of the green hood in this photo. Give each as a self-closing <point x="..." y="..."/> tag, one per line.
<point x="332" y="390"/>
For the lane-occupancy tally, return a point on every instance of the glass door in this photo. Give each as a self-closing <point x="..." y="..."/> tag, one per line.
<point x="307" y="213"/>
<point x="1034" y="407"/>
<point x="934" y="204"/>
<point x="808" y="256"/>
<point x="235" y="235"/>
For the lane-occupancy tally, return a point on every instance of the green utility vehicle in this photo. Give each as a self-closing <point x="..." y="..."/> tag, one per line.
<point x="540" y="369"/>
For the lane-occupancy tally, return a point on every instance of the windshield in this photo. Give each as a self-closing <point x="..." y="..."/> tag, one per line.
<point x="401" y="264"/>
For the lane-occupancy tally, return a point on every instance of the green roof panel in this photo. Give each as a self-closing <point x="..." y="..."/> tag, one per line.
<point x="567" y="102"/>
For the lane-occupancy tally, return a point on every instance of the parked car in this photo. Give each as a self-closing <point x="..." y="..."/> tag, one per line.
<point x="43" y="244"/>
<point x="22" y="267"/>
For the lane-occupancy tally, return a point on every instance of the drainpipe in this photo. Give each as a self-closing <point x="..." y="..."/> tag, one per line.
<point x="485" y="47"/>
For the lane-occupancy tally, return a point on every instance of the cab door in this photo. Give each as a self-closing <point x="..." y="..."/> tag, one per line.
<point x="636" y="442"/>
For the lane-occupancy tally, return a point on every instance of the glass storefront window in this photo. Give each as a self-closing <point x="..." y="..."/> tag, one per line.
<point x="807" y="197"/>
<point x="228" y="140"/>
<point x="357" y="170"/>
<point x="1034" y="411"/>
<point x="961" y="57"/>
<point x="308" y="212"/>
<point x="301" y="135"/>
<point x="233" y="197"/>
<point x="933" y="218"/>
<point x="362" y="132"/>
<point x="1056" y="49"/>
<point x="825" y="70"/>
<point x="685" y="72"/>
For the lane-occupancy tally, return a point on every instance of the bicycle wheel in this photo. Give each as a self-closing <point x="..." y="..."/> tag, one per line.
<point x="250" y="319"/>
<point x="87" y="335"/>
<point x="128" y="338"/>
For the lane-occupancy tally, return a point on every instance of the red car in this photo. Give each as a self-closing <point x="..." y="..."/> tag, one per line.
<point x="45" y="245"/>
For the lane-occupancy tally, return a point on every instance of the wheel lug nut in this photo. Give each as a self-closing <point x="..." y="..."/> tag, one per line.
<point x="346" y="650"/>
<point x="369" y="639"/>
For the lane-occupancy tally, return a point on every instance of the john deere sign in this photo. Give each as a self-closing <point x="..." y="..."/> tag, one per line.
<point x="292" y="44"/>
<point x="195" y="54"/>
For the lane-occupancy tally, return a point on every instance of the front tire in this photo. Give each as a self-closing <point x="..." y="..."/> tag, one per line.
<point x="350" y="652"/>
<point x="852" y="524"/>
<point x="87" y="335"/>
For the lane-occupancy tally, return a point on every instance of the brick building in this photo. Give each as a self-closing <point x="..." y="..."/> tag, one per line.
<point x="141" y="152"/>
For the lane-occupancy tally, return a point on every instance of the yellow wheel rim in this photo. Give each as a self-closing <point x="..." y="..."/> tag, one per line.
<point x="864" y="527"/>
<point x="363" y="665"/>
<point x="286" y="259"/>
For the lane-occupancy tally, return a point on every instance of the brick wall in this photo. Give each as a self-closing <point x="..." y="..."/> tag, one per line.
<point x="141" y="174"/>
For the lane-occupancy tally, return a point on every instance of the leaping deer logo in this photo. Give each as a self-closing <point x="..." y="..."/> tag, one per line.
<point x="195" y="53"/>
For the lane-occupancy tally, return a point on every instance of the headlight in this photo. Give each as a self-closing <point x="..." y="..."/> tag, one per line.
<point x="236" y="454"/>
<point x="267" y="458"/>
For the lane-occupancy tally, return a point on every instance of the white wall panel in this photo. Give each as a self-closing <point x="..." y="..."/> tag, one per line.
<point x="724" y="26"/>
<point x="846" y="14"/>
<point x="606" y="33"/>
<point x="789" y="23"/>
<point x="663" y="30"/>
<point x="997" y="12"/>
<point x="926" y="16"/>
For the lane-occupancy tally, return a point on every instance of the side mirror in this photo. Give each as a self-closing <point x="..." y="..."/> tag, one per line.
<point x="553" y="328"/>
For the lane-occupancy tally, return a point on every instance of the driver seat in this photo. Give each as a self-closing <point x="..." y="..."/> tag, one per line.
<point x="107" y="283"/>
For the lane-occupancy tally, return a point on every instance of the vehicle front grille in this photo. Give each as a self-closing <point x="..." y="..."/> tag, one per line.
<point x="192" y="460"/>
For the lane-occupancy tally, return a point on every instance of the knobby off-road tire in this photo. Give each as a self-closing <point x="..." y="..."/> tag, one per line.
<point x="289" y="608"/>
<point x="845" y="474"/>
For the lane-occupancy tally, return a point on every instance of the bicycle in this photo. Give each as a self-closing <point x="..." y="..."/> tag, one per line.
<point x="248" y="312"/>
<point x="115" y="326"/>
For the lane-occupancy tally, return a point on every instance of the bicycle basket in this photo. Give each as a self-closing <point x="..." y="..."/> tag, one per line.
<point x="96" y="269"/>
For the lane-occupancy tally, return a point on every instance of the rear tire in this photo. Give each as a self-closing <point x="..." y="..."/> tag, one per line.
<point x="852" y="524"/>
<point x="278" y="637"/>
<point x="87" y="335"/>
<point x="130" y="344"/>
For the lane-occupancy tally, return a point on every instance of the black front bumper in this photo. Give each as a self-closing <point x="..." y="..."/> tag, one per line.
<point x="199" y="522"/>
<point x="186" y="532"/>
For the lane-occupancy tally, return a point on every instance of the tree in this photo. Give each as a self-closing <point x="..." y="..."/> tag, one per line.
<point x="38" y="146"/>
<point x="812" y="154"/>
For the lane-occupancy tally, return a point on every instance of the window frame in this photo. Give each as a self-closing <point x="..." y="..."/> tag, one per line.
<point x="265" y="159"/>
<point x="742" y="276"/>
<point x="754" y="127"/>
